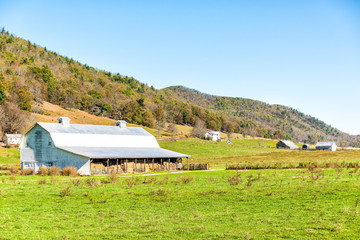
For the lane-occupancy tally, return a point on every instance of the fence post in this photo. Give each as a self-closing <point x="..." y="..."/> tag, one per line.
<point x="187" y="159"/>
<point x="226" y="166"/>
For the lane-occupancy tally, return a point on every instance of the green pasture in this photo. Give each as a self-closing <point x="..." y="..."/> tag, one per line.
<point x="267" y="204"/>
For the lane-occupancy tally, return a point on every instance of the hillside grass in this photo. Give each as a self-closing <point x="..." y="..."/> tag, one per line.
<point x="267" y="204"/>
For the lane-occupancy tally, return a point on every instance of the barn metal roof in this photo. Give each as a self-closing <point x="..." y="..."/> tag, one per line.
<point x="97" y="141"/>
<point x="93" y="129"/>
<point x="127" y="153"/>
<point x="324" y="144"/>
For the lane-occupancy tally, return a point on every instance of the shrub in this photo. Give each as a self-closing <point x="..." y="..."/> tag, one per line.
<point x="43" y="171"/>
<point x="69" y="171"/>
<point x="14" y="169"/>
<point x="26" y="172"/>
<point x="54" y="171"/>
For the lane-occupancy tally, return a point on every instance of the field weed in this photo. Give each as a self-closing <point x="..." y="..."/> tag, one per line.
<point x="65" y="192"/>
<point x="186" y="179"/>
<point x="164" y="180"/>
<point x="42" y="181"/>
<point x="113" y="178"/>
<point x="235" y="180"/>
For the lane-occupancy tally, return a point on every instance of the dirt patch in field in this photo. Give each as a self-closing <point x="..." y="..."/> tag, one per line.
<point x="292" y="177"/>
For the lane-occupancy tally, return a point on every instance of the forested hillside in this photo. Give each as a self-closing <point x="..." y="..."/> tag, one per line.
<point x="30" y="75"/>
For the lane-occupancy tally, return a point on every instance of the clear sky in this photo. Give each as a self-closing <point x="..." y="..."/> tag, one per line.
<point x="304" y="54"/>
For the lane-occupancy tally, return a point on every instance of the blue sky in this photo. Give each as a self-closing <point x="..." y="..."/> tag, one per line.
<point x="303" y="54"/>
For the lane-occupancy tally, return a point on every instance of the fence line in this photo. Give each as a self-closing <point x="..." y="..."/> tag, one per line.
<point x="289" y="165"/>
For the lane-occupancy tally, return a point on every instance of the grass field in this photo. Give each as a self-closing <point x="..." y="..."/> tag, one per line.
<point x="309" y="203"/>
<point x="199" y="205"/>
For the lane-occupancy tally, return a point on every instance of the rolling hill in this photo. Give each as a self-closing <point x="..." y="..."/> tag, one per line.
<point x="31" y="75"/>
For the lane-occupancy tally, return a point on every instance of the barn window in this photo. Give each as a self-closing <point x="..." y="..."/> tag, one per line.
<point x="49" y="144"/>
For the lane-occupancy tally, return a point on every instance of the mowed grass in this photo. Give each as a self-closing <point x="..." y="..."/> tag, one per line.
<point x="9" y="155"/>
<point x="268" y="204"/>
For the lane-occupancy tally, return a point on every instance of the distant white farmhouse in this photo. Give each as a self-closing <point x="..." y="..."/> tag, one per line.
<point x="329" y="146"/>
<point x="12" y="139"/>
<point x="63" y="144"/>
<point x="213" y="136"/>
<point x="286" y="144"/>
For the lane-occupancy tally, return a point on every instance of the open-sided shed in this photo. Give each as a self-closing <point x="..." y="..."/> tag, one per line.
<point x="329" y="146"/>
<point x="94" y="147"/>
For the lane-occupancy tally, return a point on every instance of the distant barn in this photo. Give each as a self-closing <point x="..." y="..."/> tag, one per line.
<point x="286" y="144"/>
<point x="306" y="147"/>
<point x="329" y="146"/>
<point x="126" y="149"/>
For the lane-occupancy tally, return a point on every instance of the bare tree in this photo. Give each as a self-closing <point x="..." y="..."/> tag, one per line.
<point x="173" y="130"/>
<point x="12" y="119"/>
<point x="199" y="129"/>
<point x="159" y="125"/>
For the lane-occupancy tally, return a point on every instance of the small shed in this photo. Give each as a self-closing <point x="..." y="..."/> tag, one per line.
<point x="306" y="147"/>
<point x="287" y="145"/>
<point x="213" y="136"/>
<point x="328" y="146"/>
<point x="12" y="139"/>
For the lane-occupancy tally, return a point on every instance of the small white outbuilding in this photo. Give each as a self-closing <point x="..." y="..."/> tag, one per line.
<point x="12" y="139"/>
<point x="213" y="136"/>
<point x="63" y="145"/>
<point x="329" y="146"/>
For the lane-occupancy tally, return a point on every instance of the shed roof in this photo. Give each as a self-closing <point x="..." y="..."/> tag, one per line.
<point x="13" y="135"/>
<point x="289" y="143"/>
<point x="93" y="129"/>
<point x="128" y="153"/>
<point x="324" y="144"/>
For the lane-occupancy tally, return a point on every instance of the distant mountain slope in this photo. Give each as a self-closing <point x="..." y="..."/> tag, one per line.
<point x="30" y="74"/>
<point x="263" y="116"/>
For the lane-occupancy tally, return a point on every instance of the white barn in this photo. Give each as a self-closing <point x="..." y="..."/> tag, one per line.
<point x="12" y="139"/>
<point x="286" y="144"/>
<point x="213" y="136"/>
<point x="63" y="144"/>
<point x="329" y="146"/>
